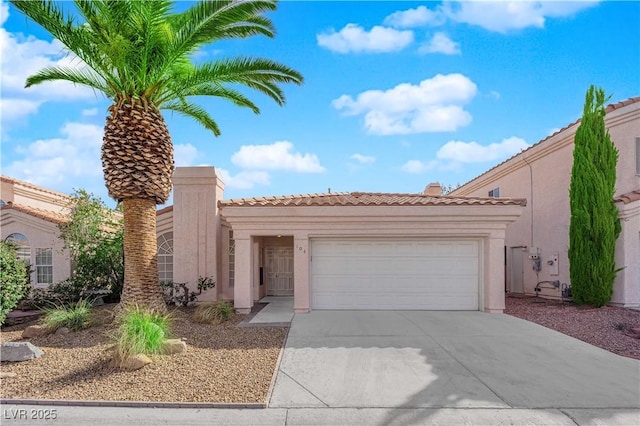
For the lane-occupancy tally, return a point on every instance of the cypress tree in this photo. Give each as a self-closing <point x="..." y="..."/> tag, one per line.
<point x="594" y="225"/>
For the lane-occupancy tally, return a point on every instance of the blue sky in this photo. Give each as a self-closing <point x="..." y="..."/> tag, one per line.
<point x="396" y="95"/>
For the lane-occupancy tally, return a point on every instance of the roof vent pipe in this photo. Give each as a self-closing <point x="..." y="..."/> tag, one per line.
<point x="433" y="188"/>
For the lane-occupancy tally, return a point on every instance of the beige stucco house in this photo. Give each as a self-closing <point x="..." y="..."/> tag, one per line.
<point x="537" y="242"/>
<point x="29" y="216"/>
<point x="328" y="251"/>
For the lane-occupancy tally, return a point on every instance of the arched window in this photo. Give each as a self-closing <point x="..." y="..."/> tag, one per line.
<point x="22" y="244"/>
<point x="165" y="257"/>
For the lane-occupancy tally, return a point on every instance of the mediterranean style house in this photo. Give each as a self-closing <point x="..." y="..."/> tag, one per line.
<point x="369" y="250"/>
<point x="328" y="251"/>
<point x="537" y="242"/>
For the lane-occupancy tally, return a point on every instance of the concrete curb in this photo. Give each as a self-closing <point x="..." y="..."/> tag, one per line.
<point x="138" y="404"/>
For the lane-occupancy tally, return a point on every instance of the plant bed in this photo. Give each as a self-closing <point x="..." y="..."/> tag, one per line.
<point x="604" y="327"/>
<point x="222" y="364"/>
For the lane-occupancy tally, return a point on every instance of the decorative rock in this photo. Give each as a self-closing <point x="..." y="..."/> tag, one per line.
<point x="173" y="346"/>
<point x="135" y="362"/>
<point x="35" y="331"/>
<point x="19" y="351"/>
<point x="7" y="375"/>
<point x="63" y="330"/>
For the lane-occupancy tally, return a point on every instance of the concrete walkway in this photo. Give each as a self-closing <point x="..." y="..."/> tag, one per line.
<point x="436" y="362"/>
<point x="278" y="311"/>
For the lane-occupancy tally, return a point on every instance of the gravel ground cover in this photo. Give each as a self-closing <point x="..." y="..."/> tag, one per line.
<point x="603" y="327"/>
<point x="222" y="363"/>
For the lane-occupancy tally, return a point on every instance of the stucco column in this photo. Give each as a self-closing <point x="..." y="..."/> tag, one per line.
<point x="301" y="290"/>
<point x="196" y="226"/>
<point x="243" y="285"/>
<point x="494" y="273"/>
<point x="626" y="288"/>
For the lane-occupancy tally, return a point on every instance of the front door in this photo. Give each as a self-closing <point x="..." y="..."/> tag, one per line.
<point x="279" y="271"/>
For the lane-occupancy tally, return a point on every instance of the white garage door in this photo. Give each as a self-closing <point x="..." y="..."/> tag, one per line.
<point x="394" y="274"/>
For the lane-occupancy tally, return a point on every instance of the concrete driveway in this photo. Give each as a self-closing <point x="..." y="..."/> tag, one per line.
<point x="427" y="359"/>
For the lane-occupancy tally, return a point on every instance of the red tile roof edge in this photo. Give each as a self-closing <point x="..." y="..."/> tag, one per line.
<point x="164" y="210"/>
<point x="48" y="215"/>
<point x="371" y="199"/>
<point x="629" y="197"/>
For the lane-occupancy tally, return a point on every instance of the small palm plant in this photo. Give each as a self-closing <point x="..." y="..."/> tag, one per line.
<point x="139" y="55"/>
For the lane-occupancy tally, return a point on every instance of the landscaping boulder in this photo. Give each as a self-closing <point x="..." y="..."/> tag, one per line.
<point x="134" y="363"/>
<point x="173" y="346"/>
<point x="63" y="330"/>
<point x="19" y="351"/>
<point x="7" y="375"/>
<point x="35" y="331"/>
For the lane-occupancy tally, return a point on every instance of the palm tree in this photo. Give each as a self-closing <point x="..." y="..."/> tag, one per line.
<point x="138" y="54"/>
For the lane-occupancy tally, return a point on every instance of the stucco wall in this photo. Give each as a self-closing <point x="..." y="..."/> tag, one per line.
<point x="545" y="222"/>
<point x="41" y="234"/>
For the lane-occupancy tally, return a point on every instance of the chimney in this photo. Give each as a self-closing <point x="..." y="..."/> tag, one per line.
<point x="433" y="188"/>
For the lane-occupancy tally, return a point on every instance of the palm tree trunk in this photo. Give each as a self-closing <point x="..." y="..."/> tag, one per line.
<point x="140" y="252"/>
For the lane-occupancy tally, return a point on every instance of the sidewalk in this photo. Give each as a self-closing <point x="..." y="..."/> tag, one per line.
<point x="67" y="415"/>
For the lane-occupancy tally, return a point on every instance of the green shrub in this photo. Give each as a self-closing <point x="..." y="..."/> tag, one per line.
<point x="75" y="317"/>
<point x="140" y="332"/>
<point x="594" y="225"/>
<point x="14" y="281"/>
<point x="213" y="312"/>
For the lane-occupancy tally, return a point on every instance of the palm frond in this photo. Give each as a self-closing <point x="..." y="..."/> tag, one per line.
<point x="214" y="90"/>
<point x="194" y="111"/>
<point x="209" y="21"/>
<point x="83" y="77"/>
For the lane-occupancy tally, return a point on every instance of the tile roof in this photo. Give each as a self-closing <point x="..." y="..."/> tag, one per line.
<point x="629" y="197"/>
<point x="32" y="186"/>
<point x="608" y="109"/>
<point x="367" y="199"/>
<point x="164" y="210"/>
<point x="48" y="215"/>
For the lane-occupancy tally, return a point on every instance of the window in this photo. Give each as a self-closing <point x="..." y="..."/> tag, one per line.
<point x="495" y="193"/>
<point x="44" y="266"/>
<point x="22" y="246"/>
<point x="165" y="257"/>
<point x="232" y="259"/>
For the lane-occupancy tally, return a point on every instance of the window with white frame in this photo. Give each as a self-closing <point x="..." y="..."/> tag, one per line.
<point x="495" y="193"/>
<point x="232" y="259"/>
<point x="165" y="257"/>
<point x="44" y="266"/>
<point x="23" y="250"/>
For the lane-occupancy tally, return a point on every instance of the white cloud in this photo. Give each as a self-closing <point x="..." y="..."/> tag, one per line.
<point x="22" y="56"/>
<point x="276" y="156"/>
<point x="418" y="167"/>
<point x="354" y="38"/>
<point x="72" y="157"/>
<point x="473" y="152"/>
<point x="440" y="43"/>
<point x="363" y="159"/>
<point x="417" y="17"/>
<point x="434" y="105"/>
<point x="495" y="94"/>
<point x="12" y="110"/>
<point x="246" y="179"/>
<point x="504" y="16"/>
<point x="89" y="112"/>
<point x="185" y="154"/>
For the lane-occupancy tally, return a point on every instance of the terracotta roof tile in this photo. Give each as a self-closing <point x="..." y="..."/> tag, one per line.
<point x="48" y="215"/>
<point x="629" y="197"/>
<point x="608" y="109"/>
<point x="367" y="199"/>
<point x="32" y="186"/>
<point x="164" y="210"/>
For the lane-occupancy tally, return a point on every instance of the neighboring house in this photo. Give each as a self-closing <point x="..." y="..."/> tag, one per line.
<point x="29" y="217"/>
<point x="328" y="251"/>
<point x="541" y="174"/>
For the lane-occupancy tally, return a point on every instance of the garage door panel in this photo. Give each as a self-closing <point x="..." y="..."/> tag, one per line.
<point x="388" y="274"/>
